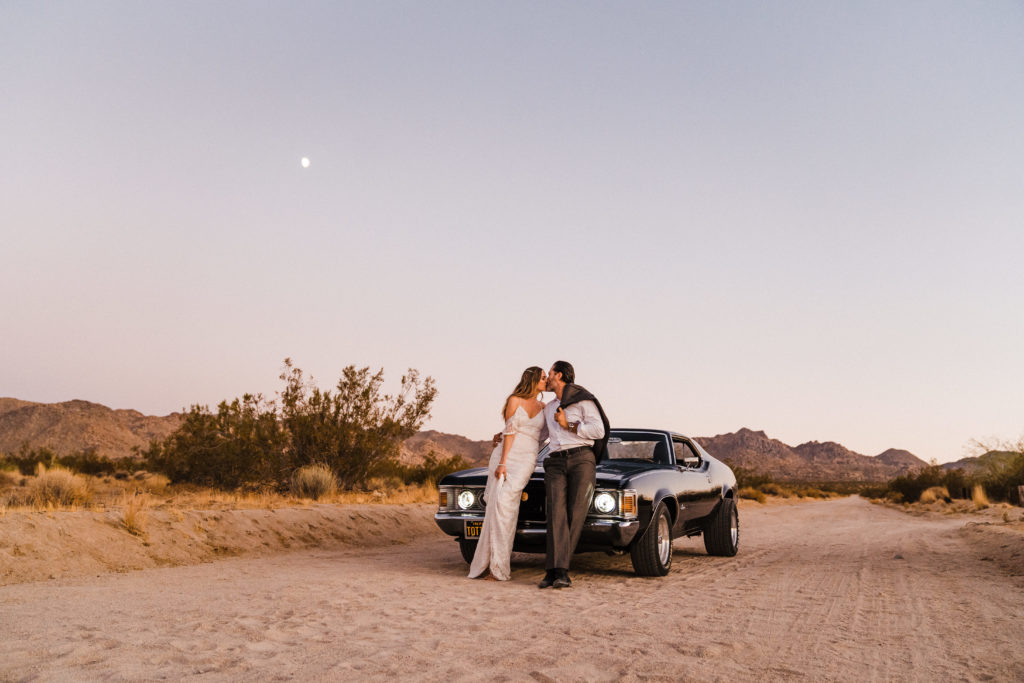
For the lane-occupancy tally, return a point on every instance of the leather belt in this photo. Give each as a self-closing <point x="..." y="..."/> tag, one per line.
<point x="569" y="451"/>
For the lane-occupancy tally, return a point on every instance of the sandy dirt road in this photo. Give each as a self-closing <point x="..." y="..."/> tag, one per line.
<point x="835" y="590"/>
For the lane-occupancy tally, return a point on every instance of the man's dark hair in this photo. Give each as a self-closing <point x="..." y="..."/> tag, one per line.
<point x="564" y="367"/>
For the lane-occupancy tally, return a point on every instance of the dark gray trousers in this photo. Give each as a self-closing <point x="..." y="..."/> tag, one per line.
<point x="568" y="489"/>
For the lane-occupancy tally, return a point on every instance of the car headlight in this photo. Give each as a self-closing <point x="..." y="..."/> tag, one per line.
<point x="604" y="503"/>
<point x="466" y="500"/>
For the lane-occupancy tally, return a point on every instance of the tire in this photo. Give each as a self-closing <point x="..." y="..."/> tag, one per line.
<point x="468" y="549"/>
<point x="722" y="530"/>
<point x="652" y="552"/>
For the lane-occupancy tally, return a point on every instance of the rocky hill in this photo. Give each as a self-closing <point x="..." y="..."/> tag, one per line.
<point x="415" y="449"/>
<point x="811" y="461"/>
<point x="74" y="426"/>
<point x="992" y="461"/>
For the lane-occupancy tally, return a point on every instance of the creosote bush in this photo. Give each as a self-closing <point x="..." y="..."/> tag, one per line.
<point x="313" y="481"/>
<point x="353" y="430"/>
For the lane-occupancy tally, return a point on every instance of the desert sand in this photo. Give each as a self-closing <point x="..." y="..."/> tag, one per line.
<point x="834" y="590"/>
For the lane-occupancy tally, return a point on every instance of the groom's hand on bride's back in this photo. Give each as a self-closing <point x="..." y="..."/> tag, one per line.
<point x="496" y="440"/>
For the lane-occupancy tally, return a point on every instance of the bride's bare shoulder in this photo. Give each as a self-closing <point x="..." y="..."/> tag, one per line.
<point x="512" y="405"/>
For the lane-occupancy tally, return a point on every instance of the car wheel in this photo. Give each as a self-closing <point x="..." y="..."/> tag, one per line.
<point x="468" y="549"/>
<point x="722" y="531"/>
<point x="652" y="552"/>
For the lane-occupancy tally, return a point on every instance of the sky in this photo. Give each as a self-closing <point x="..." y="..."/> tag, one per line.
<point x="805" y="218"/>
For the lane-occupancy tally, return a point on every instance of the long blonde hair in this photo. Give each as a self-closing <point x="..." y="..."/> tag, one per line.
<point x="527" y="387"/>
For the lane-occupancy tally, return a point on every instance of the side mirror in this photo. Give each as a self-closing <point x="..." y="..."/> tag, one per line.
<point x="691" y="461"/>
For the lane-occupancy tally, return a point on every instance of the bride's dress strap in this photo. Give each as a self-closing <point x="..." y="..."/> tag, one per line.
<point x="513" y="423"/>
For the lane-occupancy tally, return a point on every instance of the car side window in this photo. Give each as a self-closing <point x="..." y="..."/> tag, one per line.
<point x="686" y="456"/>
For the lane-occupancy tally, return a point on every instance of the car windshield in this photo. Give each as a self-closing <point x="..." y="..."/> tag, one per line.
<point x="633" y="446"/>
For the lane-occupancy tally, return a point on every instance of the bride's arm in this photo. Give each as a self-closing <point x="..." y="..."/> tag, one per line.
<point x="509" y="434"/>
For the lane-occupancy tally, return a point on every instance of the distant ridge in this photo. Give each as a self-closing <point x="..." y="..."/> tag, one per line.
<point x="417" y="447"/>
<point x="811" y="461"/>
<point x="73" y="426"/>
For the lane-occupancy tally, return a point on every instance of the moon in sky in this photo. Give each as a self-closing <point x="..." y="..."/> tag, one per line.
<point x="305" y="162"/>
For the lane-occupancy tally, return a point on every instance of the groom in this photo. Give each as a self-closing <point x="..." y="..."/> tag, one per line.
<point x="578" y="437"/>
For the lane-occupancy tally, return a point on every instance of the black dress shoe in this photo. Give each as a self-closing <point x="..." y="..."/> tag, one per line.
<point x="562" y="580"/>
<point x="548" y="580"/>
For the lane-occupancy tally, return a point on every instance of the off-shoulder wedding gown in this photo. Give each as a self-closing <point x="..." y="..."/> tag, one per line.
<point x="494" y="549"/>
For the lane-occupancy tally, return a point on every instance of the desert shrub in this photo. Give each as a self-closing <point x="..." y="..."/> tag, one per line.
<point x="356" y="427"/>
<point x="85" y="462"/>
<point x="874" y="491"/>
<point x="242" y="443"/>
<point x="88" y="462"/>
<point x="771" y="488"/>
<point x="810" y="492"/>
<point x="999" y="472"/>
<point x="934" y="493"/>
<point x="58" y="487"/>
<point x="749" y="478"/>
<point x="313" y="481"/>
<point x="978" y="497"/>
<point x="1001" y="478"/>
<point x="913" y="484"/>
<point x="750" y="493"/>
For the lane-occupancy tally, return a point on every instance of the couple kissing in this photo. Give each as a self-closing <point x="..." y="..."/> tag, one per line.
<point x="576" y="429"/>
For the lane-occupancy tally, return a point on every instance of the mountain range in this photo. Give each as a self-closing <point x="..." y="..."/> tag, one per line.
<point x="73" y="426"/>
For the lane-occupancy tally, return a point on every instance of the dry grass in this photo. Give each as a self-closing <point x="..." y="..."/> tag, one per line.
<point x="151" y="483"/>
<point x="979" y="498"/>
<point x="10" y="478"/>
<point x="933" y="494"/>
<point x="313" y="481"/>
<point x="58" y="487"/>
<point x="135" y="513"/>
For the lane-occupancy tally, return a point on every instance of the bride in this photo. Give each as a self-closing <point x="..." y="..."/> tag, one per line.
<point x="510" y="467"/>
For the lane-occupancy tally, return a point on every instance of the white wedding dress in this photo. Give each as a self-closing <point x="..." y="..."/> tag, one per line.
<point x="494" y="549"/>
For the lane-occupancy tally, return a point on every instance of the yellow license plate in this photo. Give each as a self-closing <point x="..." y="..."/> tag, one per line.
<point x="473" y="528"/>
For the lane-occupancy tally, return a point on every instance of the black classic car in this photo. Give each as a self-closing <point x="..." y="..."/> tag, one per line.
<point x="654" y="485"/>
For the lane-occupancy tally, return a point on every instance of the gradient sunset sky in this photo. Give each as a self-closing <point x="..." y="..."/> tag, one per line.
<point x="801" y="217"/>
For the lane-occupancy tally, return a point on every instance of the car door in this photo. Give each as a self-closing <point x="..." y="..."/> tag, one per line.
<point x="700" y="495"/>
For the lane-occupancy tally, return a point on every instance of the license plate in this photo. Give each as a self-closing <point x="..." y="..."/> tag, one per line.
<point x="473" y="528"/>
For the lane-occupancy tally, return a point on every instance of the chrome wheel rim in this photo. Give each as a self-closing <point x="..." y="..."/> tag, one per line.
<point x="734" y="528"/>
<point x="664" y="541"/>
